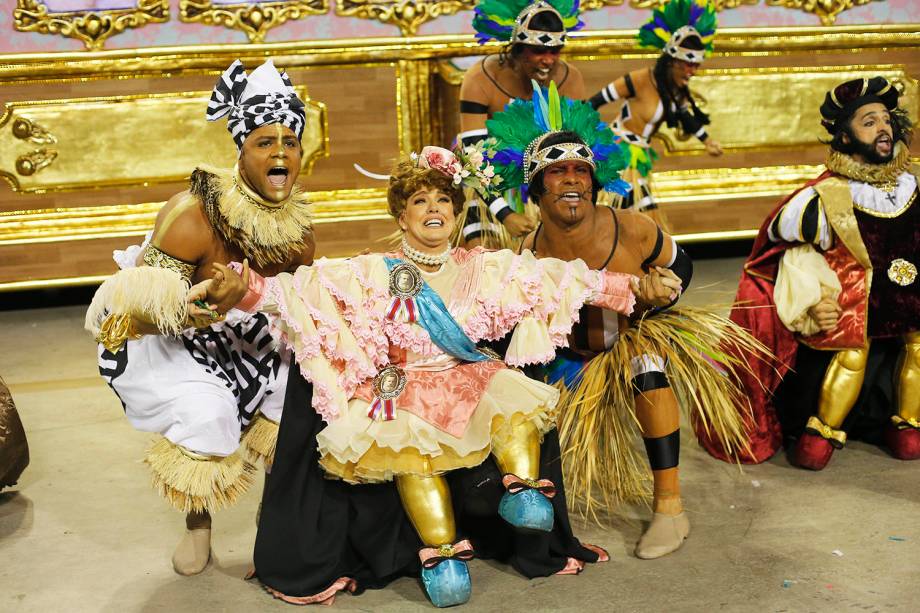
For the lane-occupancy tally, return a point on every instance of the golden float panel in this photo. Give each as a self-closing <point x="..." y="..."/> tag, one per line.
<point x="44" y="143"/>
<point x="136" y="140"/>
<point x="88" y="223"/>
<point x="92" y="27"/>
<point x="253" y="18"/>
<point x="760" y="109"/>
<point x="337" y="206"/>
<point x="407" y="15"/>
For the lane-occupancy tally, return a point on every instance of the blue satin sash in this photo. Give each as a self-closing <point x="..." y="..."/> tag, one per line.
<point x="441" y="326"/>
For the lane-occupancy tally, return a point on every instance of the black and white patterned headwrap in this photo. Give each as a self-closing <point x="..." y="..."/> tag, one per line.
<point x="265" y="96"/>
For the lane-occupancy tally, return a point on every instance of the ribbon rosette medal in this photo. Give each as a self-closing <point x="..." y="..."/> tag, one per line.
<point x="405" y="285"/>
<point x="388" y="385"/>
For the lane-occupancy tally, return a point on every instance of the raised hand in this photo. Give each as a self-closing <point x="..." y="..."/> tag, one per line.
<point x="226" y="288"/>
<point x="660" y="287"/>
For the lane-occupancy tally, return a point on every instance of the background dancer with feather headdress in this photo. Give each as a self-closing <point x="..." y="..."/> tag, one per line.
<point x="535" y="33"/>
<point x="684" y="31"/>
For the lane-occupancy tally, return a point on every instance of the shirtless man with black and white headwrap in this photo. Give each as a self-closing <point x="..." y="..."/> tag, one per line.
<point x="212" y="387"/>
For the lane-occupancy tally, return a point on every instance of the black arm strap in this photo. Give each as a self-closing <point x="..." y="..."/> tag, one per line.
<point x="630" y="88"/>
<point x="682" y="267"/>
<point x="597" y="100"/>
<point x="656" y="250"/>
<point x="473" y="108"/>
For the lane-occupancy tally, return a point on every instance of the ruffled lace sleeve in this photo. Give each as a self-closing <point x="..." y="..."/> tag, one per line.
<point x="540" y="300"/>
<point x="328" y="314"/>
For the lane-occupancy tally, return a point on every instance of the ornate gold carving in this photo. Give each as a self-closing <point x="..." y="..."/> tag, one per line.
<point x="92" y="27"/>
<point x="25" y="129"/>
<point x="128" y="148"/>
<point x="827" y="10"/>
<point x="253" y="18"/>
<point x="408" y="15"/>
<point x="743" y="104"/>
<point x="30" y="163"/>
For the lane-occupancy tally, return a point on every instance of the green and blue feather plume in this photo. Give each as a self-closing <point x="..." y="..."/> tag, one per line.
<point x="494" y="19"/>
<point x="523" y="121"/>
<point x="699" y="14"/>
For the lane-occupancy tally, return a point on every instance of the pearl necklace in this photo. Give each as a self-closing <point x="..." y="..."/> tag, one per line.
<point x="427" y="259"/>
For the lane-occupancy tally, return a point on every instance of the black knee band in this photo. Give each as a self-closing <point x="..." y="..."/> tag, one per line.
<point x="649" y="381"/>
<point x="664" y="451"/>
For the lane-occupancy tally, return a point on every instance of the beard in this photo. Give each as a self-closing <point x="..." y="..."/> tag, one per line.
<point x="870" y="153"/>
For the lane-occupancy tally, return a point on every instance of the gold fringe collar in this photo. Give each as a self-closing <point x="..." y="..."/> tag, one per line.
<point x="266" y="232"/>
<point x="884" y="176"/>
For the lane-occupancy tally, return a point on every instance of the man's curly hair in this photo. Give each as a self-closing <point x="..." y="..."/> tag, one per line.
<point x="408" y="178"/>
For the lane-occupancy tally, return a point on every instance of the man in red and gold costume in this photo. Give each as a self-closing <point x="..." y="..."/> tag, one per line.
<point x="838" y="261"/>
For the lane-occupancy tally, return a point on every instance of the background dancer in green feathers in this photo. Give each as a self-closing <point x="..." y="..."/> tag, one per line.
<point x="535" y="33"/>
<point x="618" y="370"/>
<point x="684" y="31"/>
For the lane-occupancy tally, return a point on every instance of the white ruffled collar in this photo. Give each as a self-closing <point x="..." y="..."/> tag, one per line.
<point x="869" y="197"/>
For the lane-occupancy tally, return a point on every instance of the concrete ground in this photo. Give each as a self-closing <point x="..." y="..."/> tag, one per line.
<point x="83" y="530"/>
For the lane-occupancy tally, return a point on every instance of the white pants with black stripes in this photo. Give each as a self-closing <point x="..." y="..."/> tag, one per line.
<point x="202" y="389"/>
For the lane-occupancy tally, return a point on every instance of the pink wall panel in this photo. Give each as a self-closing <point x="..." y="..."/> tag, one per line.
<point x="331" y="26"/>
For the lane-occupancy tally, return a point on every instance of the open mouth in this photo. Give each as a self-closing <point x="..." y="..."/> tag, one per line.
<point x="543" y="73"/>
<point x="278" y="176"/>
<point x="883" y="142"/>
<point x="571" y="197"/>
<point x="434" y="223"/>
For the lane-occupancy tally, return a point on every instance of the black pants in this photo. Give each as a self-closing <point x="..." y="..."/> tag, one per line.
<point x="314" y="530"/>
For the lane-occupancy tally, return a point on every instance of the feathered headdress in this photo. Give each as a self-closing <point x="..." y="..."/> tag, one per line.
<point x="509" y="21"/>
<point x="523" y="126"/>
<point x="671" y="25"/>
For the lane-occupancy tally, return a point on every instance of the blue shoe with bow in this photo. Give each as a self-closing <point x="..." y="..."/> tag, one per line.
<point x="445" y="575"/>
<point x="526" y="504"/>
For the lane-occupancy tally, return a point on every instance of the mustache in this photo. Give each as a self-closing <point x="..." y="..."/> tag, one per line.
<point x="584" y="195"/>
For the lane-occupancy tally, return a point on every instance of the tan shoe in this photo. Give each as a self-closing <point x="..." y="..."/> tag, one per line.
<point x="193" y="552"/>
<point x="665" y="534"/>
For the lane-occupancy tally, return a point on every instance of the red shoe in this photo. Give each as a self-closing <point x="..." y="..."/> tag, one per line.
<point x="813" y="451"/>
<point x="903" y="439"/>
<point x="817" y="444"/>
